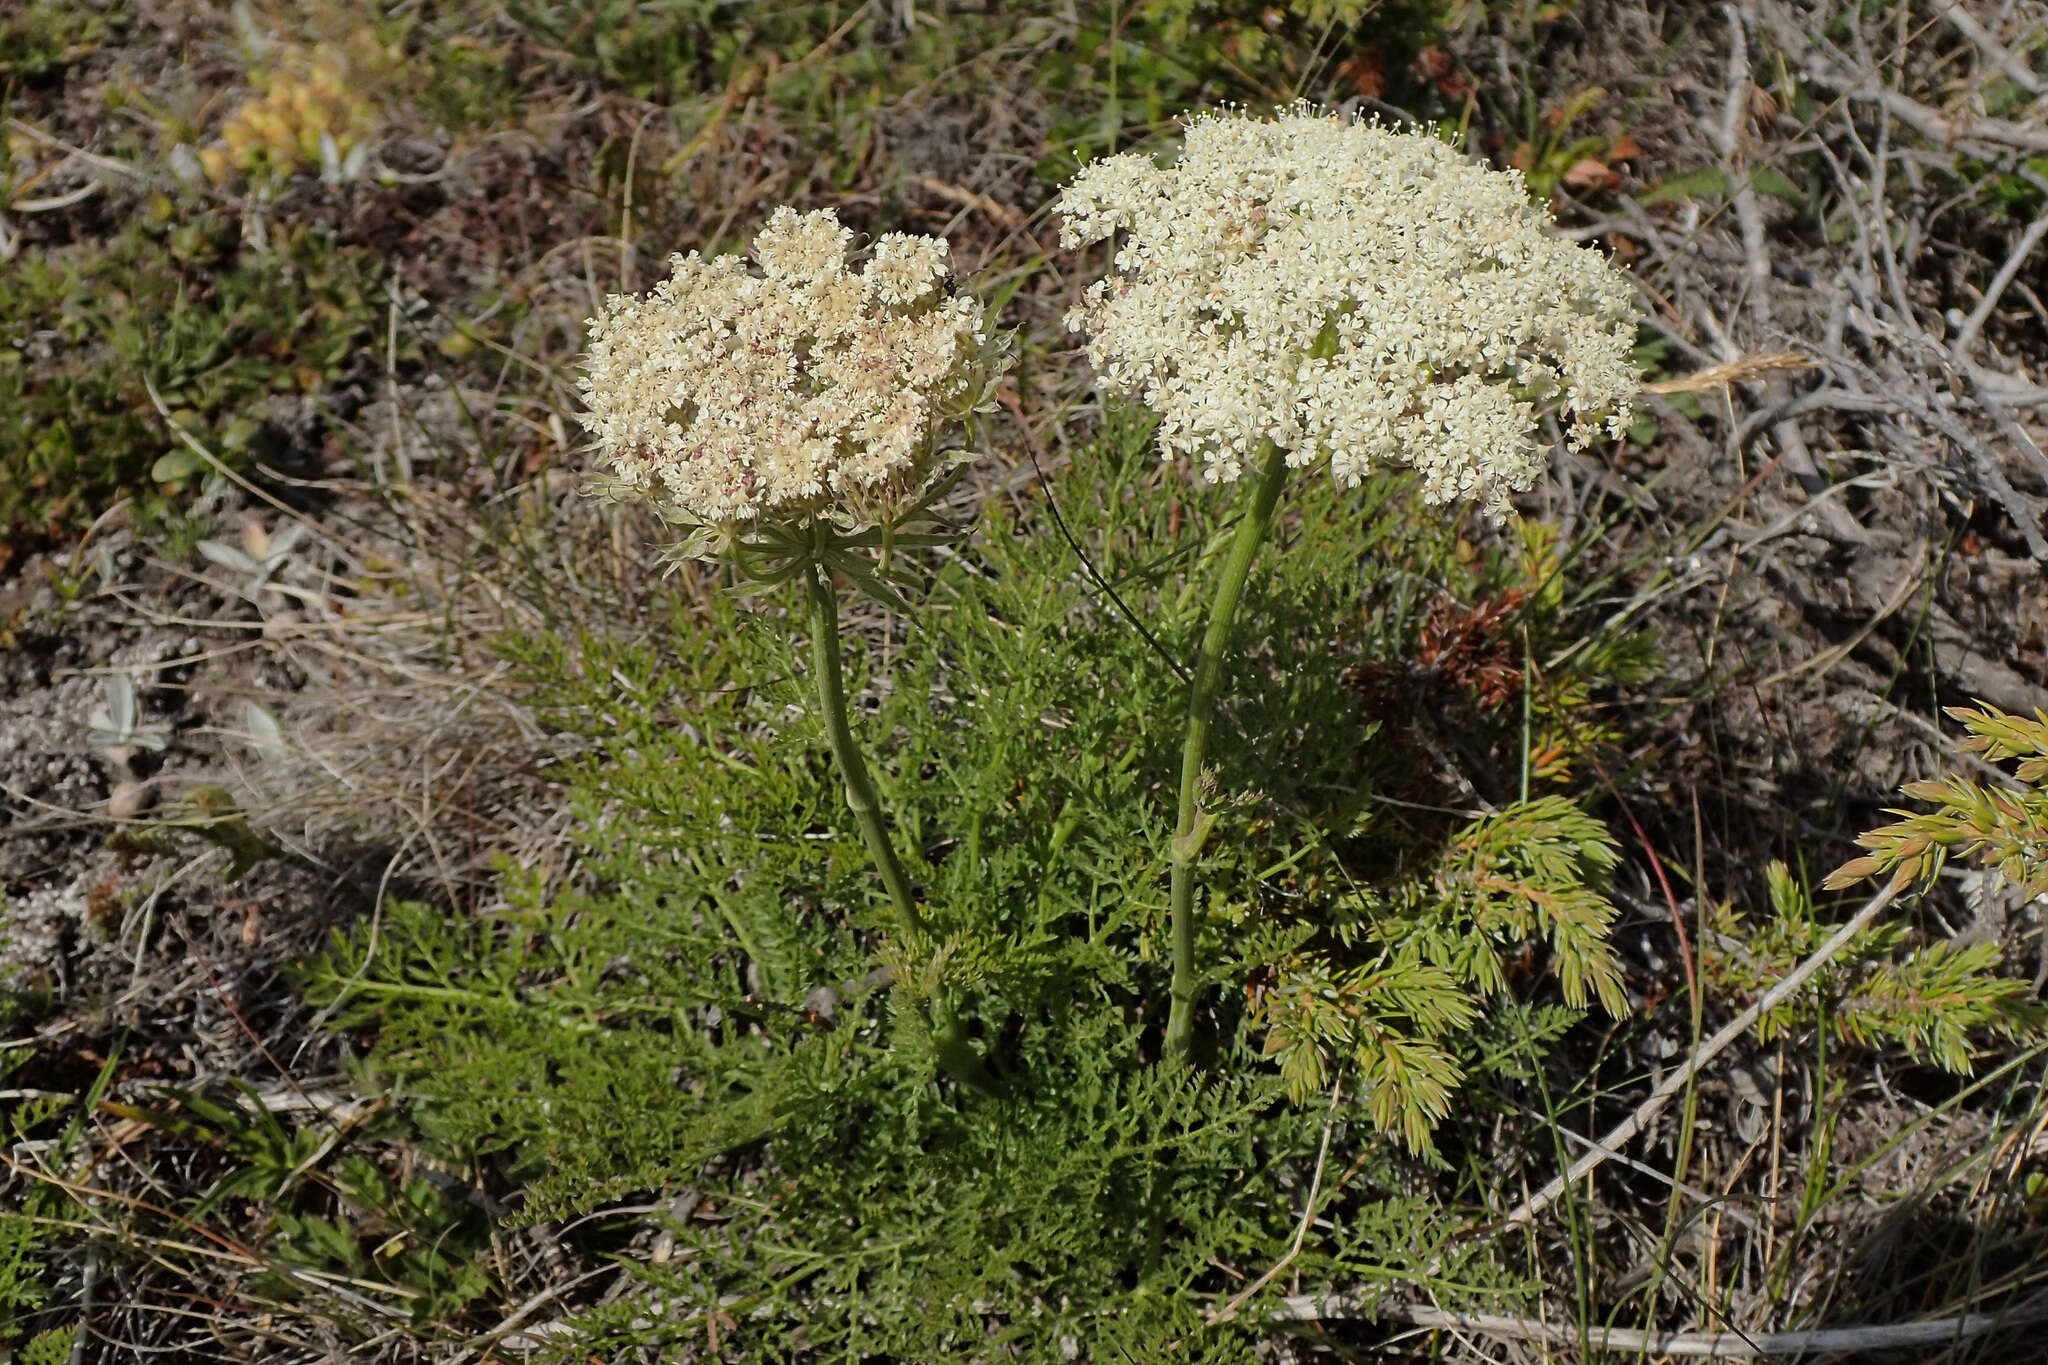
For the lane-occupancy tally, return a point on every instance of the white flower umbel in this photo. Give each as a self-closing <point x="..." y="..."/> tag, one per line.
<point x="1351" y="293"/>
<point x="801" y="416"/>
<point x="1305" y="287"/>
<point x="798" y="417"/>
<point x="806" y="392"/>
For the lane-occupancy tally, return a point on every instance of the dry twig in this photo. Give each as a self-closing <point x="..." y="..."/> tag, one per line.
<point x="1673" y="1084"/>
<point x="1709" y="1345"/>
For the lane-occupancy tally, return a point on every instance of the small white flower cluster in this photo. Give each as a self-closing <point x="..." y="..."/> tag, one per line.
<point x="1351" y="292"/>
<point x="807" y="391"/>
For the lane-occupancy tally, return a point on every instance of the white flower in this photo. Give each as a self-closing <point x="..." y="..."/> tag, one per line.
<point x="902" y="269"/>
<point x="805" y="248"/>
<point x="728" y="398"/>
<point x="1347" y="292"/>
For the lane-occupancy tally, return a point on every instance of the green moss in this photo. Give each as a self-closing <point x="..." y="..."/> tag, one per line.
<point x="44" y="35"/>
<point x="177" y="301"/>
<point x="471" y="83"/>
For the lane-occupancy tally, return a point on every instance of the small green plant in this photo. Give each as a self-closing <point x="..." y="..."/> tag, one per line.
<point x="1254" y="35"/>
<point x="421" y="1236"/>
<point x="723" y="1008"/>
<point x="315" y="1198"/>
<point x="1434" y="949"/>
<point x="1936" y="1000"/>
<point x="311" y="109"/>
<point x="257" y="559"/>
<point x="1552" y="156"/>
<point x="43" y="1129"/>
<point x="117" y="730"/>
<point x="2004" y="829"/>
<point x="210" y="811"/>
<point x="1933" y="998"/>
<point x="42" y="36"/>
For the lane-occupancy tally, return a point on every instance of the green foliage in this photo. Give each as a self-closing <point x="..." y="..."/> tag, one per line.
<point x="174" y="299"/>
<point x="1530" y="872"/>
<point x="36" y="1204"/>
<point x="1557" y="149"/>
<point x="318" y="1199"/>
<point x="1243" y="31"/>
<point x="312" y="110"/>
<point x="834" y="78"/>
<point x="276" y="1155"/>
<point x="2014" y="193"/>
<point x="716" y="1002"/>
<point x="209" y="811"/>
<point x="656" y="51"/>
<point x="1707" y="182"/>
<point x="2000" y="828"/>
<point x="1570" y="659"/>
<point x="1088" y="1206"/>
<point x="52" y="1347"/>
<point x="1934" y="999"/>
<point x="470" y="82"/>
<point x="1121" y="73"/>
<point x="1184" y="15"/>
<point x="1142" y="64"/>
<point x="418" y="1236"/>
<point x="43" y="35"/>
<point x="1436" y="949"/>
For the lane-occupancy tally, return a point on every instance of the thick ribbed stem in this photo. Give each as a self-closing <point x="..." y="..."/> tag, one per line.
<point x="1191" y="830"/>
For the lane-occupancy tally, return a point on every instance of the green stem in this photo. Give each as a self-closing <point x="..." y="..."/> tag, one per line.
<point x="1191" y="829"/>
<point x="956" y="1054"/>
<point x="853" y="769"/>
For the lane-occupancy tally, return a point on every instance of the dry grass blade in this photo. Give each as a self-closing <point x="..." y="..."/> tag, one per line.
<point x="1308" y="1214"/>
<point x="1734" y="372"/>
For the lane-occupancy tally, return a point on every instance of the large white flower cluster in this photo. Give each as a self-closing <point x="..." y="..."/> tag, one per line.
<point x="1351" y="292"/>
<point x="730" y="398"/>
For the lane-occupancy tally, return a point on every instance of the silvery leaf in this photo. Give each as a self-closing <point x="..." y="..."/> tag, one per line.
<point x="121" y="710"/>
<point x="281" y="544"/>
<point x="264" y="732"/>
<point x="227" y="556"/>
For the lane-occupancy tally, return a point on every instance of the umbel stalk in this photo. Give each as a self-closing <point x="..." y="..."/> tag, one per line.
<point x="853" y="768"/>
<point x="956" y="1054"/>
<point x="1191" y="828"/>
